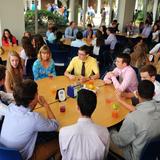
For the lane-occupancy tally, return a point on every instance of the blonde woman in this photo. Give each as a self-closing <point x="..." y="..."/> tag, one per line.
<point x="14" y="72"/>
<point x="44" y="65"/>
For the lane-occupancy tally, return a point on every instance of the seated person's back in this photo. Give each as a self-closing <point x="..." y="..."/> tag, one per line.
<point x="84" y="140"/>
<point x="139" y="126"/>
<point x="21" y="125"/>
<point x="78" y="42"/>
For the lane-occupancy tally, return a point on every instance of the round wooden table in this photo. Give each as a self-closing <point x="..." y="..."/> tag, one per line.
<point x="4" y="56"/>
<point x="102" y="114"/>
<point x="68" y="41"/>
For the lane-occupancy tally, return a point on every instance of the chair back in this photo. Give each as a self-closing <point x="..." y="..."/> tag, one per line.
<point x="158" y="77"/>
<point x="118" y="49"/>
<point x="9" y="154"/>
<point x="73" y="52"/>
<point x="151" y="150"/>
<point x="137" y="73"/>
<point x="1" y="62"/>
<point x="61" y="58"/>
<point x="29" y="64"/>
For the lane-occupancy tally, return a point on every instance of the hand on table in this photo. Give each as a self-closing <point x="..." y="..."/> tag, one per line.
<point x="72" y="77"/>
<point x="83" y="79"/>
<point x="107" y="81"/>
<point x="110" y="74"/>
<point x="42" y="101"/>
<point x="119" y="96"/>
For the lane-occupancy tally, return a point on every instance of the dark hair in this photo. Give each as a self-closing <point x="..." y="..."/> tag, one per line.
<point x="29" y="34"/>
<point x="71" y="23"/>
<point x="59" y="35"/>
<point x="53" y="29"/>
<point x="125" y="58"/>
<point x="152" y="71"/>
<point x="28" y="48"/>
<point x="79" y="35"/>
<point x="115" y="21"/>
<point x="2" y="72"/>
<point x="86" y="49"/>
<point x="89" y="25"/>
<point x="10" y="35"/>
<point x="39" y="42"/>
<point x="100" y="39"/>
<point x="25" y="92"/>
<point x="146" y="89"/>
<point x="98" y="34"/>
<point x="104" y="28"/>
<point x="147" y="21"/>
<point x="111" y="29"/>
<point x="87" y="102"/>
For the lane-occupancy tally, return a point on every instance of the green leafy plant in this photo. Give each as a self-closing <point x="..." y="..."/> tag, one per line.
<point x="43" y="17"/>
<point x="140" y="16"/>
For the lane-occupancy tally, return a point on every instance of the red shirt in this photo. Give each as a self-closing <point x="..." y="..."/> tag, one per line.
<point x="6" y="43"/>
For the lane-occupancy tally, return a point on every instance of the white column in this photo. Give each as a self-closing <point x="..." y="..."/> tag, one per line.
<point x="36" y="17"/>
<point x="99" y="3"/>
<point x="110" y="11"/>
<point x="73" y="11"/>
<point x="155" y="6"/>
<point x="84" y="7"/>
<point x="126" y="12"/>
<point x="145" y="2"/>
<point x="117" y="7"/>
<point x="136" y="4"/>
<point x="12" y="17"/>
<point x="39" y="5"/>
<point x="56" y="2"/>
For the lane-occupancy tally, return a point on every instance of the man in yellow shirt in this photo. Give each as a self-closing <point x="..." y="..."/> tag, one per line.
<point x="83" y="65"/>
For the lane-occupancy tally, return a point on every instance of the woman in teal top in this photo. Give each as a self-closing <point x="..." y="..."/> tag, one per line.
<point x="44" y="65"/>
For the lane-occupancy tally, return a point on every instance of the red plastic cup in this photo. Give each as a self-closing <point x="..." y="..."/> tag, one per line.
<point x="109" y="101"/>
<point x="62" y="108"/>
<point x="115" y="113"/>
<point x="50" y="76"/>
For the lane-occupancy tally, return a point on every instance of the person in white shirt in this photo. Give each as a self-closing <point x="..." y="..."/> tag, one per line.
<point x="155" y="34"/>
<point x="149" y="72"/>
<point x="78" y="42"/>
<point x="84" y="140"/>
<point x="155" y="49"/>
<point x="111" y="39"/>
<point x="147" y="29"/>
<point x="22" y="128"/>
<point x="27" y="52"/>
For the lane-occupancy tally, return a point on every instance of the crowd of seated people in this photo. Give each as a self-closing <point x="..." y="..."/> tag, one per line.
<point x="85" y="66"/>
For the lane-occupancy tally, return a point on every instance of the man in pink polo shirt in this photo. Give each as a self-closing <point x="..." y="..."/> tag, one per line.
<point x="127" y="81"/>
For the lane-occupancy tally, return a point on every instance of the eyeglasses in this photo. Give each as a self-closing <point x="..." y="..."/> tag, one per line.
<point x="81" y="54"/>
